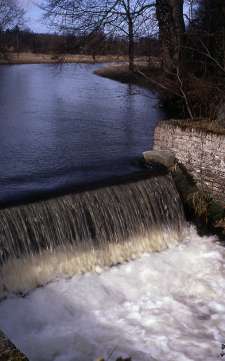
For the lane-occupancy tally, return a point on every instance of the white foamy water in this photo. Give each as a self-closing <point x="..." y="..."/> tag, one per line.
<point x="165" y="306"/>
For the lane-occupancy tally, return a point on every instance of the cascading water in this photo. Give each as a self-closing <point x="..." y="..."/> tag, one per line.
<point x="77" y="233"/>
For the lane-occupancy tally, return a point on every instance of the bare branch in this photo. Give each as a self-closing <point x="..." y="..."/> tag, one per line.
<point x="10" y="14"/>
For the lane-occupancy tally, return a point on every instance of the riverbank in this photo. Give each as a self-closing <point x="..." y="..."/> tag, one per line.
<point x="141" y="75"/>
<point x="32" y="58"/>
<point x="147" y="74"/>
<point x="198" y="145"/>
<point x="190" y="97"/>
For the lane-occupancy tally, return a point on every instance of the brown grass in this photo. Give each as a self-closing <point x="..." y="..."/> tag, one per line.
<point x="151" y="77"/>
<point x="32" y="58"/>
<point x="120" y="71"/>
<point x="202" y="125"/>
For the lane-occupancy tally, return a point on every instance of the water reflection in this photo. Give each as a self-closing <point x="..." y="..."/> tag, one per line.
<point x="64" y="126"/>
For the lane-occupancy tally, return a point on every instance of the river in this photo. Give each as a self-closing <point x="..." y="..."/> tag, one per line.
<point x="163" y="306"/>
<point x="62" y="126"/>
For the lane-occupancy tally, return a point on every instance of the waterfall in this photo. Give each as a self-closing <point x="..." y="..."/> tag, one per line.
<point x="86" y="231"/>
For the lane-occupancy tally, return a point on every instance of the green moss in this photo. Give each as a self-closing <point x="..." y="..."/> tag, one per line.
<point x="200" y="207"/>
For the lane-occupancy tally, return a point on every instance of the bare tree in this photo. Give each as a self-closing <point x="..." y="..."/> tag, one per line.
<point x="11" y="14"/>
<point x="129" y="17"/>
<point x="191" y="6"/>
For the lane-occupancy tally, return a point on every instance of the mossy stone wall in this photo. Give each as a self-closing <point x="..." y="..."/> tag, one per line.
<point x="202" y="152"/>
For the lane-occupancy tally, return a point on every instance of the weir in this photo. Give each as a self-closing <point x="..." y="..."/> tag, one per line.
<point x="86" y="231"/>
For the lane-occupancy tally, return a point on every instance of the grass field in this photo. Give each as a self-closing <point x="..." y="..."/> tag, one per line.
<point x="32" y="58"/>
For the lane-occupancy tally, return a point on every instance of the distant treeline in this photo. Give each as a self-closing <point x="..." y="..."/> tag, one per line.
<point x="17" y="40"/>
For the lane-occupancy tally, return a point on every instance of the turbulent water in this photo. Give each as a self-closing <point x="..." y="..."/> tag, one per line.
<point x="93" y="300"/>
<point x="79" y="232"/>
<point x="166" y="306"/>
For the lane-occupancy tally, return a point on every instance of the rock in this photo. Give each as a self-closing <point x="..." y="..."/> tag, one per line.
<point x="166" y="158"/>
<point x="8" y="352"/>
<point x="98" y="269"/>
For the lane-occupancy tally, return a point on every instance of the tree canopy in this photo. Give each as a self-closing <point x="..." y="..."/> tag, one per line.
<point x="128" y="17"/>
<point x="11" y="14"/>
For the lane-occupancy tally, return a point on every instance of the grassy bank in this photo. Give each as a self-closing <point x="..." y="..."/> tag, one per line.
<point x="121" y="72"/>
<point x="33" y="58"/>
<point x="202" y="125"/>
<point x="149" y="75"/>
<point x="189" y="97"/>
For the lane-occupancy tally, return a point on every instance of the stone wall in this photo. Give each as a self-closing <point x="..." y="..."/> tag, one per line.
<point x="202" y="152"/>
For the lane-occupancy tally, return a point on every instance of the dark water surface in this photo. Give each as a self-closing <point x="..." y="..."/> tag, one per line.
<point x="62" y="127"/>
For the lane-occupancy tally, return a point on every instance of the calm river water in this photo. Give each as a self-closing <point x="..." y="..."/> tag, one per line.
<point x="64" y="126"/>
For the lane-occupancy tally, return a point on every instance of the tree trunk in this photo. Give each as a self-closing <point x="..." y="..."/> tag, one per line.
<point x="171" y="32"/>
<point x="131" y="45"/>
